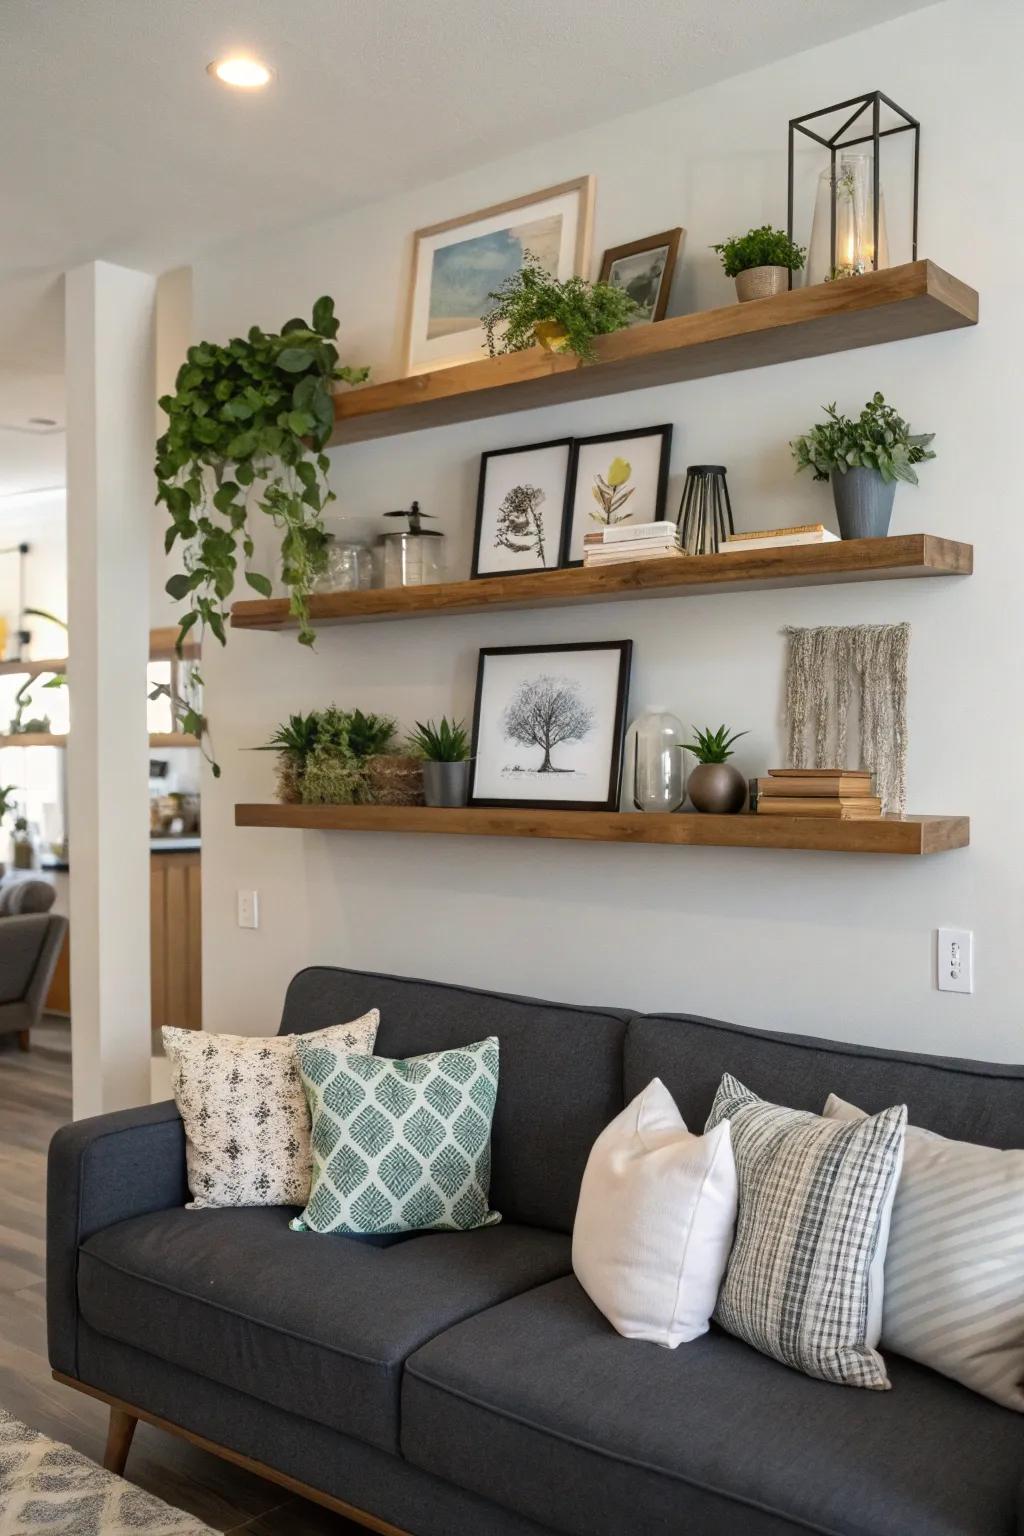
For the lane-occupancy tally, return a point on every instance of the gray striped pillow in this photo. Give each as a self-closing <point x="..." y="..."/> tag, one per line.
<point x="812" y="1196"/>
<point x="954" y="1272"/>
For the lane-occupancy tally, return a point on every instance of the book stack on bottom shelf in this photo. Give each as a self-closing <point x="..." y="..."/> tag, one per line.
<point x="841" y="794"/>
<point x="632" y="541"/>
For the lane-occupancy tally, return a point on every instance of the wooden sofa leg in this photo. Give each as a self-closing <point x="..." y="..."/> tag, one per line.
<point x="119" y="1440"/>
<point x="23" y="1039"/>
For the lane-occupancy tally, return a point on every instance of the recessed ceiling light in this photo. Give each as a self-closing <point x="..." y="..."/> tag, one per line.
<point x="247" y="74"/>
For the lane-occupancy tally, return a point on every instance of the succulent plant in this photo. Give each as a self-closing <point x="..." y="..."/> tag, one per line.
<point x="710" y="746"/>
<point x="446" y="742"/>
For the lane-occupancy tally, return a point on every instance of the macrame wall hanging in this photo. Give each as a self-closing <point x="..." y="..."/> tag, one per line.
<point x="830" y="673"/>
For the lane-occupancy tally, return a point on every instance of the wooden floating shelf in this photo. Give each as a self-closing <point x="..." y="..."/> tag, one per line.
<point x="47" y="739"/>
<point x="911" y="835"/>
<point x="917" y="299"/>
<point x="809" y="565"/>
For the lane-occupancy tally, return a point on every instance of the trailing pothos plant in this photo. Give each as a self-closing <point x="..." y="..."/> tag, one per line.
<point x="247" y="426"/>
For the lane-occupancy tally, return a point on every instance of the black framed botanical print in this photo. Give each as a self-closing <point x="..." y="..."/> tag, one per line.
<point x="549" y="725"/>
<point x="521" y="507"/>
<point x="619" y="477"/>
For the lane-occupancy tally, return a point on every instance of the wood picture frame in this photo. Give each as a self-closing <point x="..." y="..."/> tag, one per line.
<point x="587" y="686"/>
<point x="665" y="245"/>
<point x="569" y="203"/>
<point x="553" y="461"/>
<point x="650" y="507"/>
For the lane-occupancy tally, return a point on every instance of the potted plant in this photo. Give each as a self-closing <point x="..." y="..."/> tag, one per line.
<point x="389" y="777"/>
<point x="564" y="316"/>
<point x="715" y="786"/>
<point x="247" y="425"/>
<point x="293" y="742"/>
<point x="864" y="459"/>
<point x="445" y="751"/>
<point x="331" y="773"/>
<point x="760" y="261"/>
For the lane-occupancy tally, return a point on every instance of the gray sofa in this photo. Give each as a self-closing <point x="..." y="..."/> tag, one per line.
<point x="462" y="1384"/>
<point x="30" y="942"/>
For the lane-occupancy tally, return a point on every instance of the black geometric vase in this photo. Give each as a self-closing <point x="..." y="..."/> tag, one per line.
<point x="705" y="512"/>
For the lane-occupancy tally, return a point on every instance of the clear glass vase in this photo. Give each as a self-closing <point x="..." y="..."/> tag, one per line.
<point x="658" y="769"/>
<point x="855" y="224"/>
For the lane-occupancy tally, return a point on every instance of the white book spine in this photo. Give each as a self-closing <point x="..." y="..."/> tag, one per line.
<point x="784" y="541"/>
<point x="638" y="531"/>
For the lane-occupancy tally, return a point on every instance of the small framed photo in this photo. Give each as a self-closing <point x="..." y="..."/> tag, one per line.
<point x="458" y="263"/>
<point x="521" y="508"/>
<point x="620" y="477"/>
<point x="644" y="269"/>
<point x="549" y="725"/>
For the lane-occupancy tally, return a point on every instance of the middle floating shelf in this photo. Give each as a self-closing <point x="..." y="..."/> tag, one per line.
<point x="810" y="565"/>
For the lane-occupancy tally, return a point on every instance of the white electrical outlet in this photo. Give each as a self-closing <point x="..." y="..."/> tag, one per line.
<point x="248" y="909"/>
<point x="955" y="960"/>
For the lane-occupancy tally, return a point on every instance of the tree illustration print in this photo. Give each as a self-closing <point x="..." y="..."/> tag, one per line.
<point x="544" y="713"/>
<point x="611" y="493"/>
<point x="520" y="525"/>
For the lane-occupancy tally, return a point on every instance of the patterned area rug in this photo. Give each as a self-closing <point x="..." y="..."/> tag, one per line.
<point x="45" y="1486"/>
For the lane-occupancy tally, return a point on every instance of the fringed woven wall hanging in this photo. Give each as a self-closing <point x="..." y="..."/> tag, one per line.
<point x="828" y="670"/>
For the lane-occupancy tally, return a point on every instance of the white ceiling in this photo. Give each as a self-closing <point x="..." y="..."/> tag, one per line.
<point x="119" y="146"/>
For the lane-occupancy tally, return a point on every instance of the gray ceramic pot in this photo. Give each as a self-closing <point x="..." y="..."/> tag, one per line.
<point x="863" y="503"/>
<point x="717" y="788"/>
<point x="446" y="783"/>
<point x="761" y="282"/>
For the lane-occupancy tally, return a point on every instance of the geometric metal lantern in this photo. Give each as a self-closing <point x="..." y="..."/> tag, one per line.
<point x="705" y="511"/>
<point x="855" y="181"/>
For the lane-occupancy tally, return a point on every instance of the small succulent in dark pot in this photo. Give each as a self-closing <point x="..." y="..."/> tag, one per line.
<point x="715" y="786"/>
<point x="445" y="751"/>
<point x="865" y="459"/>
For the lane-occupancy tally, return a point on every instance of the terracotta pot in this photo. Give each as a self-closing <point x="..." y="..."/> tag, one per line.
<point x="761" y="283"/>
<point x="718" y="789"/>
<point x="551" y="335"/>
<point x="863" y="503"/>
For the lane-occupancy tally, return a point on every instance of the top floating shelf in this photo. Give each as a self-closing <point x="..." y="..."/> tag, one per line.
<point x="917" y="299"/>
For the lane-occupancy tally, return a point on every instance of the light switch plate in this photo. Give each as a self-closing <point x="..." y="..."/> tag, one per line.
<point x="248" y="909"/>
<point x="955" y="960"/>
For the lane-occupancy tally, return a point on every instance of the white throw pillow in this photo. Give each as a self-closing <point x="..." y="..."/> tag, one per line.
<point x="655" y="1221"/>
<point x="954" y="1274"/>
<point x="247" y="1123"/>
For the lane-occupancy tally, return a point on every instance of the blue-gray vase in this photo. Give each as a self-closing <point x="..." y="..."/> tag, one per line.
<point x="863" y="503"/>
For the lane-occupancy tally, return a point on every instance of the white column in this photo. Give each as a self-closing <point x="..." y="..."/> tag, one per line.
<point x="110" y="382"/>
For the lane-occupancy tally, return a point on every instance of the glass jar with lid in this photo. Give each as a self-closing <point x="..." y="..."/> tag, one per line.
<point x="412" y="556"/>
<point x="659" y="782"/>
<point x="349" y="566"/>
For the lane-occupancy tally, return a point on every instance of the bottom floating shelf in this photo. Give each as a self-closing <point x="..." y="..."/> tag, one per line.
<point x="910" y="835"/>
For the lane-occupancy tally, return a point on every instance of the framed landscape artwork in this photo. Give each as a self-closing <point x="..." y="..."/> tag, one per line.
<point x="644" y="269"/>
<point x="619" y="477"/>
<point x="549" y="725"/>
<point x="457" y="264"/>
<point x="520" y="509"/>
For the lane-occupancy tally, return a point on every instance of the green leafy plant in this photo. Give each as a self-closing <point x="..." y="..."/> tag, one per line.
<point x="298" y="735"/>
<point x="35" y="725"/>
<point x="369" y="735"/>
<point x="532" y="297"/>
<point x="445" y="742"/>
<point x="879" y="439"/>
<point x="710" y="746"/>
<point x="7" y="805"/>
<point x="762" y="247"/>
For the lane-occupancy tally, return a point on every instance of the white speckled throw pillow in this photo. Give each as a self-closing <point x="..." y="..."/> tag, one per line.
<point x="247" y="1124"/>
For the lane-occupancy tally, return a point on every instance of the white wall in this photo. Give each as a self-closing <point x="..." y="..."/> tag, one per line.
<point x="840" y="946"/>
<point x="36" y="519"/>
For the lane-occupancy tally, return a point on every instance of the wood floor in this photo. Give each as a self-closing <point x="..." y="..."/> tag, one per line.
<point x="35" y="1097"/>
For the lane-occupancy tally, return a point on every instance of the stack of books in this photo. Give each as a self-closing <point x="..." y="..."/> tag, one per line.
<point x="632" y="541"/>
<point x="842" y="794"/>
<point x="778" y="538"/>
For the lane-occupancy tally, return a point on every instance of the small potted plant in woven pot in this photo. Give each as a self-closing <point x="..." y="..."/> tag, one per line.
<point x="389" y="777"/>
<point x="865" y="460"/>
<point x="293" y="742"/>
<point x="760" y="261"/>
<point x="444" y="749"/>
<point x="715" y="786"/>
<point x="532" y="308"/>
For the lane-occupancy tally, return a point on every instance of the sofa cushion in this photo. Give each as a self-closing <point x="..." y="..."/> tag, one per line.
<point x="561" y="1072"/>
<point x="969" y="1100"/>
<point x="540" y="1405"/>
<point x="319" y="1326"/>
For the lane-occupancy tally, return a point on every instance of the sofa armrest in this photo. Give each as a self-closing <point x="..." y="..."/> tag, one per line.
<point x="102" y="1171"/>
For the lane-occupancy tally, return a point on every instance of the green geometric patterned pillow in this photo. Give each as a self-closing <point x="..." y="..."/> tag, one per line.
<point x="399" y="1146"/>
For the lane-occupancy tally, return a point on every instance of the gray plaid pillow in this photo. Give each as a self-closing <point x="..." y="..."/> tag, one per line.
<point x="811" y="1206"/>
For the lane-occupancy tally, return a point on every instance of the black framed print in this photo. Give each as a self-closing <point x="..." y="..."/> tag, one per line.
<point x="549" y="725"/>
<point x="619" y="477"/>
<point x="521" y="508"/>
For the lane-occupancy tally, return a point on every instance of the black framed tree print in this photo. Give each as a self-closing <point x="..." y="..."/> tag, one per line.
<point x="616" y="478"/>
<point x="520" y="508"/>
<point x="549" y="725"/>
